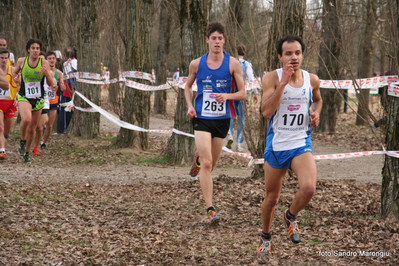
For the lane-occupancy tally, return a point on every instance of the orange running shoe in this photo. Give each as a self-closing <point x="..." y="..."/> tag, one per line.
<point x="293" y="229"/>
<point x="196" y="167"/>
<point x="2" y="155"/>
<point x="265" y="246"/>
<point x="36" y="151"/>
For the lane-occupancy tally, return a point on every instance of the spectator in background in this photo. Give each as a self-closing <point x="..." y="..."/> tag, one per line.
<point x="248" y="75"/>
<point x="70" y="66"/>
<point x="4" y="44"/>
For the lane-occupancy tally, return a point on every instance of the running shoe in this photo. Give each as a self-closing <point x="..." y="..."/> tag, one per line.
<point x="26" y="158"/>
<point x="213" y="217"/>
<point x="265" y="246"/>
<point x="36" y="151"/>
<point x="22" y="147"/>
<point x="229" y="142"/>
<point x="293" y="229"/>
<point x="195" y="168"/>
<point x="2" y="155"/>
<point x="43" y="145"/>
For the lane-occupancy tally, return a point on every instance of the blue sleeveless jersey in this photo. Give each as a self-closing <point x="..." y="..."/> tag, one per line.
<point x="212" y="81"/>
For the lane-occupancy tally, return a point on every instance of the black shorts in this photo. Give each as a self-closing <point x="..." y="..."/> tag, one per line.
<point x="45" y="111"/>
<point x="54" y="106"/>
<point x="217" y="127"/>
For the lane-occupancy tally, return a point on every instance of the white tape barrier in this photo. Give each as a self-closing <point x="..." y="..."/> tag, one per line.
<point x="393" y="90"/>
<point x="345" y="155"/>
<point x="368" y="83"/>
<point x="117" y="121"/>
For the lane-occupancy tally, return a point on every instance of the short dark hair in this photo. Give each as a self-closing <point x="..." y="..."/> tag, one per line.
<point x="289" y="39"/>
<point x="4" y="51"/>
<point x="213" y="27"/>
<point x="241" y="50"/>
<point x="48" y="53"/>
<point x="32" y="41"/>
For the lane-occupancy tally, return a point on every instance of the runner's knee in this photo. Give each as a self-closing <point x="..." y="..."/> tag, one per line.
<point x="271" y="200"/>
<point x="308" y="191"/>
<point x="206" y="164"/>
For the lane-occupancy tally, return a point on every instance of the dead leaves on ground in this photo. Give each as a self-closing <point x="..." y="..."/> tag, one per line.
<point x="166" y="224"/>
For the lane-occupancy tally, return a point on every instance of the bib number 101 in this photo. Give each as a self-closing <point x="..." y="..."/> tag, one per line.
<point x="298" y="119"/>
<point x="33" y="90"/>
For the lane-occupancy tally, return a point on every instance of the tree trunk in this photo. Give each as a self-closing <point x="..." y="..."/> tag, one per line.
<point x="390" y="171"/>
<point x="328" y="64"/>
<point x="136" y="109"/>
<point x="233" y="26"/>
<point x="194" y="16"/>
<point x="366" y="67"/>
<point x="288" y="19"/>
<point x="165" y="24"/>
<point x="87" y="124"/>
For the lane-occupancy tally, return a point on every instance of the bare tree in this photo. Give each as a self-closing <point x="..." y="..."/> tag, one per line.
<point x="87" y="124"/>
<point x="390" y="171"/>
<point x="330" y="50"/>
<point x="366" y="63"/>
<point x="165" y="26"/>
<point x="194" y="16"/>
<point x="288" y="19"/>
<point x="136" y="109"/>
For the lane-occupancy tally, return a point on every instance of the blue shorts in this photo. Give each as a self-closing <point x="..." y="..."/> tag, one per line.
<point x="283" y="159"/>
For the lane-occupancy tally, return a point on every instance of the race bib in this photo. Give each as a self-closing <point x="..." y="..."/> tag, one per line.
<point x="5" y="94"/>
<point x="32" y="90"/>
<point x="293" y="118"/>
<point x="49" y="93"/>
<point x="210" y="107"/>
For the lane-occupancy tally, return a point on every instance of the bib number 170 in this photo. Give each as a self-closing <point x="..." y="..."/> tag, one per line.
<point x="298" y="119"/>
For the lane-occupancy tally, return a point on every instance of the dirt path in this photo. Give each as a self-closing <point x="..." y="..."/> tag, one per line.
<point x="364" y="169"/>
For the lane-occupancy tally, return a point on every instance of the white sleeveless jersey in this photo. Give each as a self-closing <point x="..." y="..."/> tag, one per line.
<point x="289" y="126"/>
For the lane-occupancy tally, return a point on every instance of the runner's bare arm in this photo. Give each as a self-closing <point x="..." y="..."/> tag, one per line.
<point x="271" y="95"/>
<point x="47" y="72"/>
<point x="235" y="69"/>
<point x="273" y="90"/>
<point x="61" y="80"/>
<point x="18" y="67"/>
<point x="3" y="81"/>
<point x="317" y="101"/>
<point x="188" y="89"/>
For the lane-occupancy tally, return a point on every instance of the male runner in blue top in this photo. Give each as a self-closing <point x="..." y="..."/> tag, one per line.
<point x="216" y="74"/>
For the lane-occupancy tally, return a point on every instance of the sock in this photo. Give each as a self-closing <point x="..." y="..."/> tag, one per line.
<point x="290" y="215"/>
<point x="210" y="209"/>
<point x="197" y="162"/>
<point x="267" y="236"/>
<point x="23" y="141"/>
<point x="41" y="143"/>
<point x="6" y="136"/>
<point x="2" y="149"/>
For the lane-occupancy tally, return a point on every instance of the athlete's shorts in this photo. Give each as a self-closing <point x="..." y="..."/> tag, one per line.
<point x="45" y="111"/>
<point x="283" y="159"/>
<point x="217" y="127"/>
<point x="37" y="104"/>
<point x="7" y="107"/>
<point x="54" y="106"/>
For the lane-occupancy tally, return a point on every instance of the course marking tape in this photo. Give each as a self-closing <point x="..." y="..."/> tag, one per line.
<point x="117" y="121"/>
